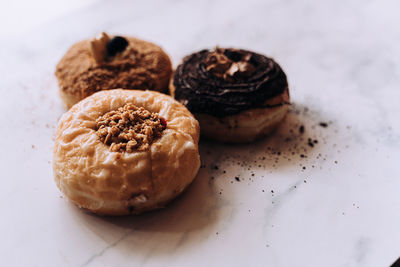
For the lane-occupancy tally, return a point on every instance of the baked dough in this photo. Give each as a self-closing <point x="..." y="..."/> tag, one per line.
<point x="102" y="181"/>
<point x="247" y="125"/>
<point x="236" y="95"/>
<point x="141" y="65"/>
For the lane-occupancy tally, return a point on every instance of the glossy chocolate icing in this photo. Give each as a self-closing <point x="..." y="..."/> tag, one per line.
<point x="204" y="89"/>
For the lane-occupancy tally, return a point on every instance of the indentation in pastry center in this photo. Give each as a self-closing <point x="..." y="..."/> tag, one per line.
<point x="129" y="128"/>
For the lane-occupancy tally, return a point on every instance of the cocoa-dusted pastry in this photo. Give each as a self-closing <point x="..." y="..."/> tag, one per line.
<point x="237" y="95"/>
<point x="123" y="152"/>
<point x="109" y="62"/>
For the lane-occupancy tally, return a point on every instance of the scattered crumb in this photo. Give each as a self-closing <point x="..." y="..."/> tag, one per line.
<point x="292" y="144"/>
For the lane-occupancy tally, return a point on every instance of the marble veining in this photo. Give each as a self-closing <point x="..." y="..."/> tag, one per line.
<point x="325" y="196"/>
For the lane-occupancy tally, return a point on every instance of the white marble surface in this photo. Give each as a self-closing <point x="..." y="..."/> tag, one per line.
<point x="343" y="64"/>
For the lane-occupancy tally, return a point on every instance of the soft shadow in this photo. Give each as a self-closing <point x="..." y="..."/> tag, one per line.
<point x="194" y="213"/>
<point x="194" y="217"/>
<point x="300" y="139"/>
<point x="193" y="210"/>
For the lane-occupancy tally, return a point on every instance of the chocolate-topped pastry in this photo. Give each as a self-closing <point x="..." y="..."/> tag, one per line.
<point x="237" y="95"/>
<point x="109" y="62"/>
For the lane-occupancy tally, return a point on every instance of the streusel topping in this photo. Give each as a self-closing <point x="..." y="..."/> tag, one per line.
<point x="129" y="128"/>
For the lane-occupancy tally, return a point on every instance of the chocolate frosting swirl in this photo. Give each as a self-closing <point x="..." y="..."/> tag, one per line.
<point x="204" y="89"/>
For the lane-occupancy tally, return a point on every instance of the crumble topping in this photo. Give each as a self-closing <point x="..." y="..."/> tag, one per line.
<point x="129" y="128"/>
<point x="237" y="66"/>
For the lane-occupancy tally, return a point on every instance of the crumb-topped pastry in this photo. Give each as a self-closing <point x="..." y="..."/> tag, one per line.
<point x="125" y="151"/>
<point x="237" y="95"/>
<point x="107" y="62"/>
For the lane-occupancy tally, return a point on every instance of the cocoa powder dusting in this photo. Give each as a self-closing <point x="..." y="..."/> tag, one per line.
<point x="129" y="128"/>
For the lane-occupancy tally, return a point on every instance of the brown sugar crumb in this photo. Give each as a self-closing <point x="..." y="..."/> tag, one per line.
<point x="129" y="128"/>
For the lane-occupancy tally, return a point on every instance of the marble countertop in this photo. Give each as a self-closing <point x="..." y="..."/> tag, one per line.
<point x="325" y="197"/>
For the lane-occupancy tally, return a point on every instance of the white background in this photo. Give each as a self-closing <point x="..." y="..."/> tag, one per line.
<point x="342" y="60"/>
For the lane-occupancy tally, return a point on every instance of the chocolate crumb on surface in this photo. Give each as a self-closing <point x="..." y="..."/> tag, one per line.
<point x="129" y="128"/>
<point x="299" y="143"/>
<point x="301" y="129"/>
<point x="310" y="142"/>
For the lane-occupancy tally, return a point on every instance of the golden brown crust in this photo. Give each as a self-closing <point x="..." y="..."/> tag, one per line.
<point x="118" y="183"/>
<point x="143" y="65"/>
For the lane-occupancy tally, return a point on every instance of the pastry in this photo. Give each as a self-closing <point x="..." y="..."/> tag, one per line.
<point x="237" y="95"/>
<point x="125" y="151"/>
<point x="111" y="62"/>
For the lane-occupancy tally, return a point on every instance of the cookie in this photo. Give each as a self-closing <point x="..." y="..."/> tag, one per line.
<point x="107" y="62"/>
<point x="237" y="95"/>
<point x="120" y="152"/>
